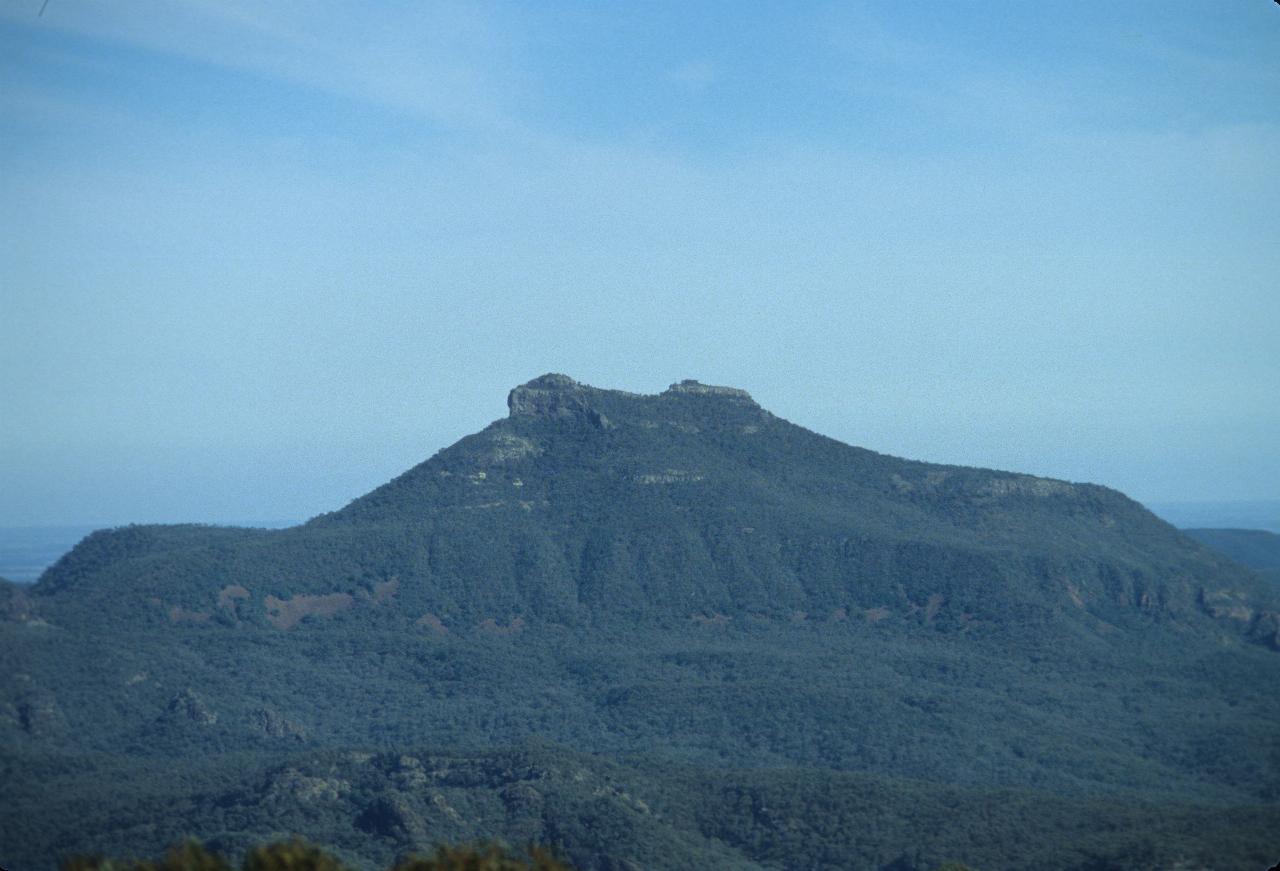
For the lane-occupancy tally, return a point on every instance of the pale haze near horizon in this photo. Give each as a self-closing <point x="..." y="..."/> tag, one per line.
<point x="256" y="259"/>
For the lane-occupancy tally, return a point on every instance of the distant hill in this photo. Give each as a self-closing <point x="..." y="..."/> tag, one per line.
<point x="766" y="649"/>
<point x="1255" y="548"/>
<point x="26" y="551"/>
<point x="1223" y="514"/>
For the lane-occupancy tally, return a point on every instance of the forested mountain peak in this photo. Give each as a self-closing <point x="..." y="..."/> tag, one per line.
<point x="694" y="504"/>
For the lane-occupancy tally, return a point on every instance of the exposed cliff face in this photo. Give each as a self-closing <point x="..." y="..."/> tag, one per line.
<point x="548" y="396"/>
<point x="188" y="706"/>
<point x="270" y="722"/>
<point x="557" y="397"/>
<point x="1265" y="628"/>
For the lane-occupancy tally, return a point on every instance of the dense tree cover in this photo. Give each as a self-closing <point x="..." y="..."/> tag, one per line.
<point x="189" y="855"/>
<point x="767" y="649"/>
<point x="298" y="855"/>
<point x="1157" y="710"/>
<point x="369" y="809"/>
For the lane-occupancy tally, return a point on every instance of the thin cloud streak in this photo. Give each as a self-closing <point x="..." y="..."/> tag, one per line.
<point x="442" y="64"/>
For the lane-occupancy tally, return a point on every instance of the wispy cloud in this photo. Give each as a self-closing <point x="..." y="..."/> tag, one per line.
<point x="440" y="63"/>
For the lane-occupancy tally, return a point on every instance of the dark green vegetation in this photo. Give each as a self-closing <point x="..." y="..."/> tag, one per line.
<point x="298" y="855"/>
<point x="1255" y="548"/>
<point x="663" y="631"/>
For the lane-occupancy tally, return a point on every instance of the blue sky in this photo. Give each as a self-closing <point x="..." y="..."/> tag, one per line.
<point x="257" y="258"/>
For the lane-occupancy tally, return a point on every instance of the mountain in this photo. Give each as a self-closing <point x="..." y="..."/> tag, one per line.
<point x="588" y="504"/>
<point x="739" y="620"/>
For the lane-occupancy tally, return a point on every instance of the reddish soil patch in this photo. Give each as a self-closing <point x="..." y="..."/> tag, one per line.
<point x="287" y="613"/>
<point x="432" y="622"/>
<point x="385" y="591"/>
<point x="932" y="606"/>
<point x="230" y="594"/>
<point x="178" y="614"/>
<point x="875" y="615"/>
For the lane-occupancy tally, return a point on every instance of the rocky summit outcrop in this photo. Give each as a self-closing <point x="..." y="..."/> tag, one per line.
<point x="696" y="388"/>
<point x="550" y="395"/>
<point x="559" y="396"/>
<point x="555" y="396"/>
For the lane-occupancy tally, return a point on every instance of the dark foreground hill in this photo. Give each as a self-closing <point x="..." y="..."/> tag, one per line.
<point x="648" y="813"/>
<point x="766" y="649"/>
